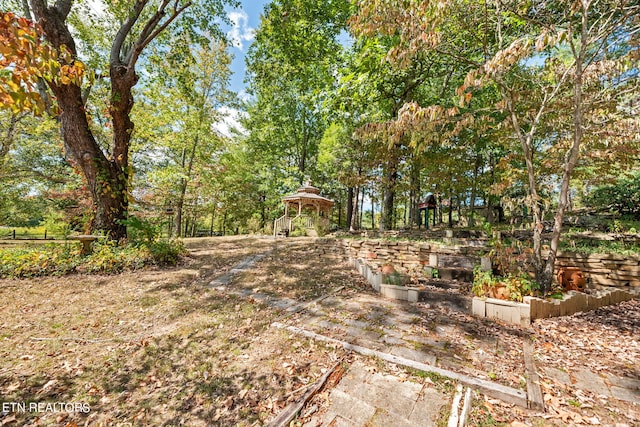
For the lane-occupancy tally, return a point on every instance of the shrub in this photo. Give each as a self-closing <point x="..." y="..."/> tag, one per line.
<point x="50" y="259"/>
<point x="54" y="223"/>
<point x="167" y="252"/>
<point x="141" y="232"/>
<point x="107" y="257"/>
<point x="298" y="232"/>
<point x="623" y="196"/>
<point x="486" y="284"/>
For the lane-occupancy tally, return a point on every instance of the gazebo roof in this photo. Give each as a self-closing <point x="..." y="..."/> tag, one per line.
<point x="308" y="193"/>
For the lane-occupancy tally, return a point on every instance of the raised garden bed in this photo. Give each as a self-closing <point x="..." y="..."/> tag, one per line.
<point x="411" y="293"/>
<point x="522" y="314"/>
<point x="533" y="308"/>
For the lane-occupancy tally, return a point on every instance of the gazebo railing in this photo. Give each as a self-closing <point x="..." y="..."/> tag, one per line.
<point x="300" y="221"/>
<point x="281" y="224"/>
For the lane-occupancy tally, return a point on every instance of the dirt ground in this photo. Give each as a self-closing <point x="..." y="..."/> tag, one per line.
<point x="160" y="347"/>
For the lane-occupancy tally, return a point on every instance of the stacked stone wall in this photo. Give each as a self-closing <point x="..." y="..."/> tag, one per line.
<point x="605" y="269"/>
<point x="405" y="256"/>
<point x="411" y="256"/>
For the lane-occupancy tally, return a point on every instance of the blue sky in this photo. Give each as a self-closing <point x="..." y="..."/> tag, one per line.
<point x="245" y="20"/>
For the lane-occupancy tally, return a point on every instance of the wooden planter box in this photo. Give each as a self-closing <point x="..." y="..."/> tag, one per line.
<point x="533" y="308"/>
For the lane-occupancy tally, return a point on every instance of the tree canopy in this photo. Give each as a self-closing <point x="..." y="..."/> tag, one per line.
<point x="487" y="105"/>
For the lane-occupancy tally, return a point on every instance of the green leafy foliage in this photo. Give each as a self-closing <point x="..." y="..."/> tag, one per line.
<point x="56" y="259"/>
<point x="588" y="247"/>
<point x="486" y="284"/>
<point x="321" y="227"/>
<point x="167" y="252"/>
<point x="51" y="259"/>
<point x="483" y="281"/>
<point x="621" y="197"/>
<point x="141" y="232"/>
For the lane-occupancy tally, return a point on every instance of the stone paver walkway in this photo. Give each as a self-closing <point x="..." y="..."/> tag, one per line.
<point x="603" y="384"/>
<point x="363" y="398"/>
<point x="397" y="328"/>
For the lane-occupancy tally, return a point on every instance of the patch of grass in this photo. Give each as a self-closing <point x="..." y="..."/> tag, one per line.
<point x="148" y="301"/>
<point x="443" y="416"/>
<point x="375" y="329"/>
<point x="574" y="403"/>
<point x="441" y="382"/>
<point x="589" y="247"/>
<point x="488" y="421"/>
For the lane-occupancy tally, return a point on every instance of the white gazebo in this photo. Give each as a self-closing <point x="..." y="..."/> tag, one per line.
<point x="309" y="209"/>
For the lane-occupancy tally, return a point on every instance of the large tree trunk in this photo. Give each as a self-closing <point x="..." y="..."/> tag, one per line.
<point x="177" y="224"/>
<point x="184" y="183"/>
<point x="106" y="177"/>
<point x="373" y="209"/>
<point x="263" y="211"/>
<point x="474" y="187"/>
<point x="414" y="192"/>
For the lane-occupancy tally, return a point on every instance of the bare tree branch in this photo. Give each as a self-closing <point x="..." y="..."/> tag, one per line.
<point x="152" y="30"/>
<point x="123" y="32"/>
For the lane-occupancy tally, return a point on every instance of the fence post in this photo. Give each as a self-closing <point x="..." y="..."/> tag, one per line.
<point x="45" y="234"/>
<point x="14" y="234"/>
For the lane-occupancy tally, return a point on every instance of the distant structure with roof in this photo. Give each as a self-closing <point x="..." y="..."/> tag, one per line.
<point x="305" y="209"/>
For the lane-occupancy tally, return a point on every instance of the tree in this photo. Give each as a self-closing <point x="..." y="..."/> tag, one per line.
<point x="584" y="44"/>
<point x="596" y="35"/>
<point x="622" y="197"/>
<point x="180" y="106"/>
<point x="26" y="61"/>
<point x="404" y="83"/>
<point x="35" y="179"/>
<point x="108" y="173"/>
<point x="349" y="162"/>
<point x="291" y="66"/>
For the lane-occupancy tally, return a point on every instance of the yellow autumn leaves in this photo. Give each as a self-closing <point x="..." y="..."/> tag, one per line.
<point x="25" y="58"/>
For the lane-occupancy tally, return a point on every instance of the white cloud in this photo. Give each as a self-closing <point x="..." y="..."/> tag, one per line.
<point x="229" y="124"/>
<point x="243" y="95"/>
<point x="241" y="31"/>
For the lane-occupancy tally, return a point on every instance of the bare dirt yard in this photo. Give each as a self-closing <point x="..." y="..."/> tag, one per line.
<point x="163" y="347"/>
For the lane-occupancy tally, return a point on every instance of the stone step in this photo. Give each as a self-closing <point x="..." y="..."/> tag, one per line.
<point x="455" y="273"/>
<point x="370" y="399"/>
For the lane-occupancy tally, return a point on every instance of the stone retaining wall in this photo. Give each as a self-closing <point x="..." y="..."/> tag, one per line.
<point x="405" y="256"/>
<point x="411" y="256"/>
<point x="605" y="269"/>
<point x="522" y="314"/>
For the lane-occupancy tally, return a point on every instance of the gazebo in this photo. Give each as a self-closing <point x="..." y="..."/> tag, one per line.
<point x="309" y="209"/>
